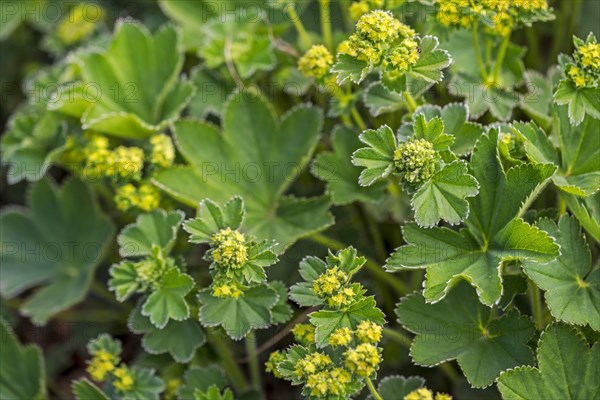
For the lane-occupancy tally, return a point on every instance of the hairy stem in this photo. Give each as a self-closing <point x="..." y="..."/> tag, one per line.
<point x="500" y="59"/>
<point x="536" y="306"/>
<point x="326" y="24"/>
<point x="475" y="37"/>
<point x="358" y="119"/>
<point x="372" y="389"/>
<point x="252" y="356"/>
<point x="410" y="102"/>
<point x="304" y="38"/>
<point x="234" y="373"/>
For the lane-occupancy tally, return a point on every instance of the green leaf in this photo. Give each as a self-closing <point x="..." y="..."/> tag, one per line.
<point x="378" y="158"/>
<point x="341" y="176"/>
<point x="146" y="386"/>
<point x="212" y="90"/>
<point x="158" y="228"/>
<point x="188" y="332"/>
<point x="256" y="156"/>
<point x="444" y="196"/>
<point x="432" y="61"/>
<point x="22" y="374"/>
<point x="201" y="378"/>
<point x="572" y="286"/>
<point x="587" y="211"/>
<point x="581" y="101"/>
<point x="456" y="122"/>
<point x="55" y="245"/>
<point x="397" y="387"/>
<point x="327" y="321"/>
<point x="213" y="393"/>
<point x="86" y="390"/>
<point x="348" y="67"/>
<point x="124" y="280"/>
<point x="252" y="310"/>
<point x="496" y="232"/>
<point x="212" y="218"/>
<point x="302" y="293"/>
<point x="167" y="301"/>
<point x="141" y="92"/>
<point x="33" y="141"/>
<point x="461" y="328"/>
<point x="567" y="369"/>
<point x="379" y="100"/>
<point x="433" y="131"/>
<point x="282" y="312"/>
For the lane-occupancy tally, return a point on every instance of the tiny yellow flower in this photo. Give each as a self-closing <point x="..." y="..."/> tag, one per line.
<point x="173" y="386"/>
<point x="316" y="62"/>
<point x="329" y="282"/>
<point x="442" y="396"/>
<point x="162" y="153"/>
<point x="369" y="332"/>
<point x="420" y="394"/>
<point x="590" y="55"/>
<point x="227" y="290"/>
<point x="358" y="9"/>
<point x="362" y="360"/>
<point x="101" y="365"/>
<point x="380" y="26"/>
<point x="405" y="55"/>
<point x="126" y="162"/>
<point x="340" y="337"/>
<point x="148" y="197"/>
<point x="416" y="160"/>
<point x="274" y="359"/>
<point x="229" y="249"/>
<point x="123" y="379"/>
<point x="311" y="364"/>
<point x="304" y="333"/>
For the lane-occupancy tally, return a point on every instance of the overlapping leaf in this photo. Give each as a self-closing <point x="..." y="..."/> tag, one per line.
<point x="133" y="88"/>
<point x="256" y="156"/>
<point x="201" y="378"/>
<point x="462" y="328"/>
<point x="567" y="369"/>
<point x="55" y="244"/>
<point x="341" y="176"/>
<point x="495" y="230"/>
<point x="572" y="286"/>
<point x="158" y="228"/>
<point x="396" y="386"/>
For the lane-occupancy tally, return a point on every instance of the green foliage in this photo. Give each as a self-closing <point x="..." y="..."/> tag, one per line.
<point x="69" y="234"/>
<point x="567" y="369"/>
<point x="22" y="375"/>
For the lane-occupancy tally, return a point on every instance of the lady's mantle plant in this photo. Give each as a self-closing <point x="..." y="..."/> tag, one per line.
<point x="233" y="139"/>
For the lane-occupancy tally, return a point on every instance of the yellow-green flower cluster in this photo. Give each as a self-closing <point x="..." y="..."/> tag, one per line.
<point x="304" y="333"/>
<point x="369" y="332"/>
<point x="585" y="73"/>
<point x="426" y="394"/>
<point x="416" y="160"/>
<point x="79" y="23"/>
<point x="329" y="382"/>
<point x="123" y="162"/>
<point x="333" y="287"/>
<point x="229" y="249"/>
<point x="146" y="197"/>
<point x="123" y="380"/>
<point x="362" y="360"/>
<point x="274" y="359"/>
<point x="162" y="152"/>
<point x="311" y="364"/>
<point x="102" y="364"/>
<point x="340" y="337"/>
<point x="359" y="8"/>
<point x="382" y="41"/>
<point x="316" y="62"/>
<point x="227" y="289"/>
<point x="172" y="386"/>
<point x="503" y="14"/>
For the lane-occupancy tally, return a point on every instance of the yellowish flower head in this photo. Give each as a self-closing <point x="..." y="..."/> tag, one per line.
<point x="363" y="360"/>
<point x="274" y="359"/>
<point x="123" y="381"/>
<point x="229" y="249"/>
<point x="126" y="162"/>
<point x="380" y="26"/>
<point x="420" y="394"/>
<point x="311" y="364"/>
<point x="102" y="364"/>
<point x="316" y="62"/>
<point x="442" y="396"/>
<point x="148" y="197"/>
<point x="329" y="282"/>
<point x="405" y="55"/>
<point x="173" y="386"/>
<point x="415" y="159"/>
<point x="227" y="290"/>
<point x="590" y="56"/>
<point x="369" y="332"/>
<point x="304" y="333"/>
<point x="162" y="153"/>
<point x="330" y="382"/>
<point x="340" y="337"/>
<point x="358" y="9"/>
<point x="79" y="23"/>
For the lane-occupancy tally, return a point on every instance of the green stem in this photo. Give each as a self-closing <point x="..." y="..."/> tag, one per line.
<point x="358" y="119"/>
<point x="500" y="59"/>
<point x="533" y="54"/>
<point x="536" y="305"/>
<point x="410" y="102"/>
<point x="561" y="27"/>
<point x="562" y="205"/>
<point x="575" y="8"/>
<point x="475" y="37"/>
<point x="406" y="342"/>
<point x="252" y="357"/>
<point x="372" y="389"/>
<point x="304" y="38"/>
<point x="234" y="373"/>
<point x="375" y="235"/>
<point x="326" y="24"/>
<point x="375" y="269"/>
